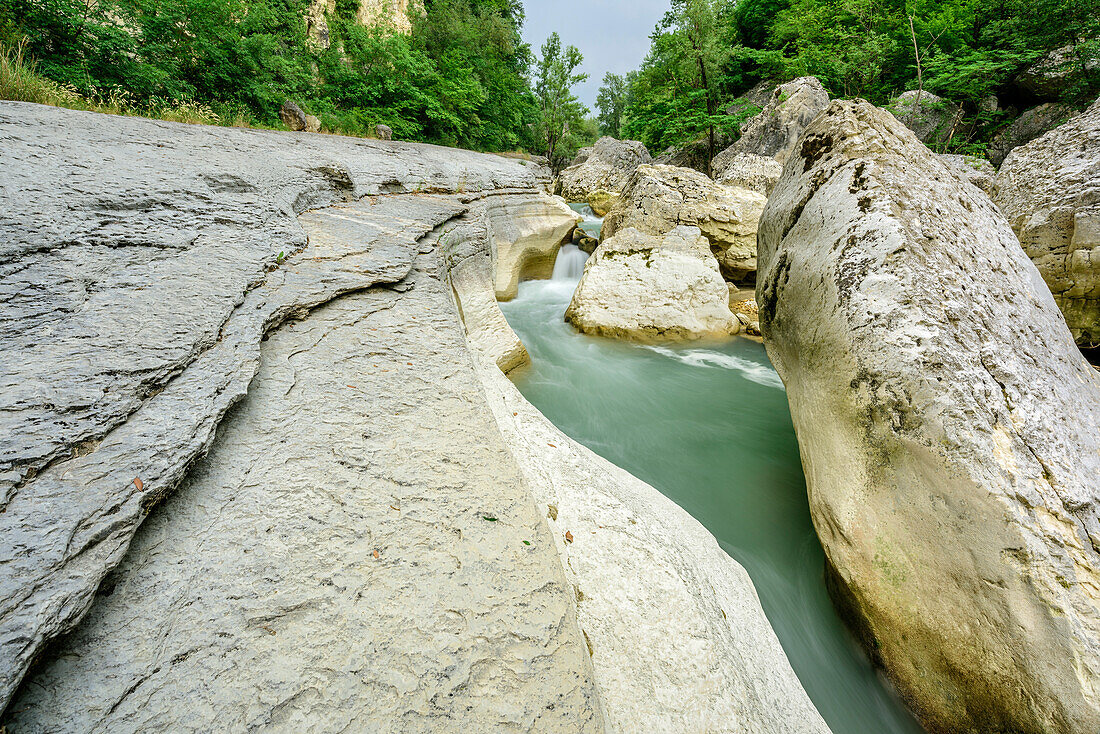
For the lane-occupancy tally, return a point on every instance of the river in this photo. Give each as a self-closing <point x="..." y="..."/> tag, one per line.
<point x="709" y="427"/>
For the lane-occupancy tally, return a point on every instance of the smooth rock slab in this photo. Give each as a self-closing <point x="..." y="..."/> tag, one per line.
<point x="139" y="268"/>
<point x="357" y="552"/>
<point x="947" y="425"/>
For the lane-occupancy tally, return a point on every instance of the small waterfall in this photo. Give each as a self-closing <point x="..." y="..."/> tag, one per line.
<point x="569" y="264"/>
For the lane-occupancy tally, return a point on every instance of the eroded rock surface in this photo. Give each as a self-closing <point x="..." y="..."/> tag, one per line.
<point x="526" y="232"/>
<point x="775" y="130"/>
<point x="947" y="425"/>
<point x="757" y="173"/>
<point x="652" y="287"/>
<point x="658" y="198"/>
<point x="382" y="539"/>
<point x="604" y="168"/>
<point x="142" y="263"/>
<point x="1029" y="125"/>
<point x="1050" y="191"/>
<point x="933" y="119"/>
<point x="977" y="171"/>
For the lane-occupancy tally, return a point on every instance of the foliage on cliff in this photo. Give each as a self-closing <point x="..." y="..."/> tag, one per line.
<point x="968" y="50"/>
<point x="460" y="78"/>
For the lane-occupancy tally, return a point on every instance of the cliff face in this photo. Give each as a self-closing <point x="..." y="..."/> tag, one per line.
<point x="254" y="469"/>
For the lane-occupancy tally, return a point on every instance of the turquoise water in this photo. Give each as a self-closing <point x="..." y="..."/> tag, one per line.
<point x="709" y="427"/>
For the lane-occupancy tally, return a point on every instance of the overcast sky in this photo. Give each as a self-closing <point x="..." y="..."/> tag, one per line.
<point x="613" y="35"/>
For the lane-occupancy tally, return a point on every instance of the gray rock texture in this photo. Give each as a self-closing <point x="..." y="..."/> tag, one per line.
<point x="140" y="267"/>
<point x="398" y="575"/>
<point x="604" y="168"/>
<point x="1050" y="191"/>
<point x="776" y="129"/>
<point x="947" y="425"/>
<point x="293" y="117"/>
<point x="657" y="198"/>
<point x="977" y="171"/>
<point x="757" y="173"/>
<point x="933" y="119"/>
<point x="1057" y="72"/>
<point x="1029" y="125"/>
<point x="258" y="421"/>
<point x="652" y="287"/>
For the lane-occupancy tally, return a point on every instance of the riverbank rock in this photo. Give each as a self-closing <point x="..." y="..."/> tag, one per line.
<point x="652" y="287"/>
<point x="977" y="171"/>
<point x="757" y="173"/>
<point x="947" y="425"/>
<point x="933" y="119"/>
<point x="189" y="257"/>
<point x="656" y="198"/>
<point x="1050" y="191"/>
<point x="605" y="168"/>
<point x="1029" y="125"/>
<point x="601" y="202"/>
<point x="775" y="130"/>
<point x="526" y="232"/>
<point x="383" y="132"/>
<point x="248" y="345"/>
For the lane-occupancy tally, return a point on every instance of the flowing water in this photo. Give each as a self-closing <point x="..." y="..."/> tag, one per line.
<point x="709" y="427"/>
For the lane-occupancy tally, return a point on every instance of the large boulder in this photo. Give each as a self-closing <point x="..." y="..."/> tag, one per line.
<point x="658" y="198"/>
<point x="1029" y="125"/>
<point x="933" y="119"/>
<point x="1050" y="191"/>
<point x="605" y="168"/>
<point x="775" y="130"/>
<point x="525" y="233"/>
<point x="757" y="173"/>
<point x="947" y="425"/>
<point x="652" y="287"/>
<point x="600" y="202"/>
<point x="293" y="117"/>
<point x="977" y="171"/>
<point x="1056" y="73"/>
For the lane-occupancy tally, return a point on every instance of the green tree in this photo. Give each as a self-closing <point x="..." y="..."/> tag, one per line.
<point x="561" y="115"/>
<point x="610" y="101"/>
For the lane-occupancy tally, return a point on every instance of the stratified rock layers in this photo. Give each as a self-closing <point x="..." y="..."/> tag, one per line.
<point x="142" y="264"/>
<point x="947" y="425"/>
<point x="398" y="575"/>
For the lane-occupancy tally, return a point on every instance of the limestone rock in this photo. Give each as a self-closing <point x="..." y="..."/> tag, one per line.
<point x="317" y="22"/>
<point x="313" y="124"/>
<point x="601" y="202"/>
<point x="652" y="287"/>
<point x="605" y="168"/>
<point x="932" y="118"/>
<point x="349" y="556"/>
<point x="747" y="171"/>
<point x="634" y="553"/>
<point x="776" y="129"/>
<point x="526" y="232"/>
<point x="1029" y="125"/>
<point x="977" y="171"/>
<point x="1053" y="75"/>
<point x="136" y="297"/>
<point x="383" y="132"/>
<point x="581" y="156"/>
<point x="657" y="198"/>
<point x="947" y="425"/>
<point x="387" y="15"/>
<point x="1050" y="191"/>
<point x="292" y="116"/>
